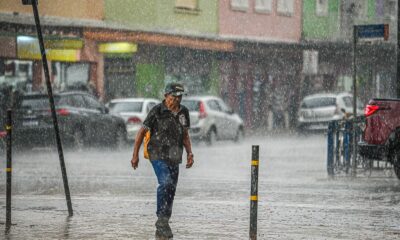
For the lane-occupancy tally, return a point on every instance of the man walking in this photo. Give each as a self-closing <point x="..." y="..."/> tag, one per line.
<point x="168" y="124"/>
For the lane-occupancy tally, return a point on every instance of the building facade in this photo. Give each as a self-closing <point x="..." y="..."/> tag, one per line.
<point x="261" y="76"/>
<point x="260" y="56"/>
<point x="328" y="47"/>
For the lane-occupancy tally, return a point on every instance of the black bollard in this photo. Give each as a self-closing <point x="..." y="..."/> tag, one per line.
<point x="8" y="170"/>
<point x="346" y="143"/>
<point x="331" y="129"/>
<point x="254" y="192"/>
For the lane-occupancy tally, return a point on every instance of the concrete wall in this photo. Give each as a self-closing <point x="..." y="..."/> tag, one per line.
<point x="272" y="26"/>
<point x="81" y="9"/>
<point x="156" y="15"/>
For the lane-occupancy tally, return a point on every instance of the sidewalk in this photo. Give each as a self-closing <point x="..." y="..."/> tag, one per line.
<point x="46" y="217"/>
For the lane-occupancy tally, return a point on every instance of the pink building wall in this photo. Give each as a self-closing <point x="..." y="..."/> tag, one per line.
<point x="272" y="26"/>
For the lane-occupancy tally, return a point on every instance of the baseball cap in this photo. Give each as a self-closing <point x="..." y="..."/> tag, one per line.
<point x="175" y="89"/>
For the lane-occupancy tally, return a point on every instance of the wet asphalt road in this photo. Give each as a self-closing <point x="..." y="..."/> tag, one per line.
<point x="111" y="201"/>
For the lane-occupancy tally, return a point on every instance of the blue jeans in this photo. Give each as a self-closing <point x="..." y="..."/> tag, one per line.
<point x="167" y="177"/>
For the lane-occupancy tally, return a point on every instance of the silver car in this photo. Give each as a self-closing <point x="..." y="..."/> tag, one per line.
<point x="317" y="110"/>
<point x="133" y="111"/>
<point x="211" y="119"/>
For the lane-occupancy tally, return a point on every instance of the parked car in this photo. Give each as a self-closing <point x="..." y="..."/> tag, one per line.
<point x="211" y="119"/>
<point x="317" y="110"/>
<point x="133" y="111"/>
<point x="81" y="118"/>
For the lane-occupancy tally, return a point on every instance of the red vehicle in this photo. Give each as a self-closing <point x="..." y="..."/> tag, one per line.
<point x="3" y="135"/>
<point x="381" y="136"/>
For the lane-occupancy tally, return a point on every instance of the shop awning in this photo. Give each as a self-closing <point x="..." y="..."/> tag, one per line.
<point x="161" y="39"/>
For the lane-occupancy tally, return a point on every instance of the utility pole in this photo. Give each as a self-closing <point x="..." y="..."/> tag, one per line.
<point x="34" y="4"/>
<point x="397" y="51"/>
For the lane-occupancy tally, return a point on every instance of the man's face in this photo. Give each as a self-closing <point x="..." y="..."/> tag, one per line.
<point x="173" y="100"/>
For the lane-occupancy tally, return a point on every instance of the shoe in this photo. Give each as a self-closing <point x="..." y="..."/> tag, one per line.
<point x="163" y="229"/>
<point x="161" y="236"/>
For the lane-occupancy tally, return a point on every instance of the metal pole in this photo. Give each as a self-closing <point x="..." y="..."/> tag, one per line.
<point x="52" y="106"/>
<point x="398" y="49"/>
<point x="355" y="36"/>
<point x="346" y="144"/>
<point x="8" y="170"/>
<point x="254" y="192"/>
<point x="337" y="143"/>
<point x="329" y="162"/>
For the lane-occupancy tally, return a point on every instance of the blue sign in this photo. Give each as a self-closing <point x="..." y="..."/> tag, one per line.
<point x="373" y="31"/>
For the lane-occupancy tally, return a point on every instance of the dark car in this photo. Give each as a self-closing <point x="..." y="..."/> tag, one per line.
<point x="82" y="121"/>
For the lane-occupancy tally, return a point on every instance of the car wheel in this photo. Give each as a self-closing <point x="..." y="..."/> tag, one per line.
<point x="239" y="135"/>
<point x="78" y="140"/>
<point x="211" y="137"/>
<point x="120" y="138"/>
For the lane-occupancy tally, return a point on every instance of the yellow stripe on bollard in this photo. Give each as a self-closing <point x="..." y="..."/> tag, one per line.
<point x="254" y="162"/>
<point x="254" y="198"/>
<point x="8" y="127"/>
<point x="8" y="169"/>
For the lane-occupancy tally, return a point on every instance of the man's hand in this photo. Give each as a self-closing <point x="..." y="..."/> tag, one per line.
<point x="135" y="161"/>
<point x="190" y="160"/>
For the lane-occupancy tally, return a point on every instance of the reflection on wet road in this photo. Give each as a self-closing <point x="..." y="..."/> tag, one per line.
<point x="111" y="201"/>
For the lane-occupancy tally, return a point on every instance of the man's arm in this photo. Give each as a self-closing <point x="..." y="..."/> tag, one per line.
<point x="138" y="142"/>
<point x="188" y="146"/>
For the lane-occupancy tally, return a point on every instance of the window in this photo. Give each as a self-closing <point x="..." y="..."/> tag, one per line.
<point x="150" y="106"/>
<point x="223" y="106"/>
<point x="37" y="102"/>
<point x="363" y="9"/>
<point x="240" y="5"/>
<point x="319" y="102"/>
<point x="77" y="101"/>
<point x="65" y="101"/>
<point x="191" y="105"/>
<point x="263" y="6"/>
<point x="126" y="107"/>
<point x="213" y="104"/>
<point x="286" y="7"/>
<point x="348" y="101"/>
<point x="322" y="7"/>
<point x="92" y="103"/>
<point x="310" y="62"/>
<point x="186" y="4"/>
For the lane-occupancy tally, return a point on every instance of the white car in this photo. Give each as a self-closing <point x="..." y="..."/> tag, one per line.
<point x="133" y="111"/>
<point x="317" y="110"/>
<point x="211" y="119"/>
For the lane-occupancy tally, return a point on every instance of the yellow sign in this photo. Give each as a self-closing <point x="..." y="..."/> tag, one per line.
<point x="28" y="48"/>
<point x="63" y="43"/>
<point x="118" y="47"/>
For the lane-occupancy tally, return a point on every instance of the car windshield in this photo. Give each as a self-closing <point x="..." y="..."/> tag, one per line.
<point x="192" y="105"/>
<point x="37" y="102"/>
<point x="318" y="102"/>
<point x="118" y="107"/>
<point x="348" y="102"/>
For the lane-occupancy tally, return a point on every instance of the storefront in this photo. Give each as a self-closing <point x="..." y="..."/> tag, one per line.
<point x="66" y="69"/>
<point x="119" y="69"/>
<point x="21" y="63"/>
